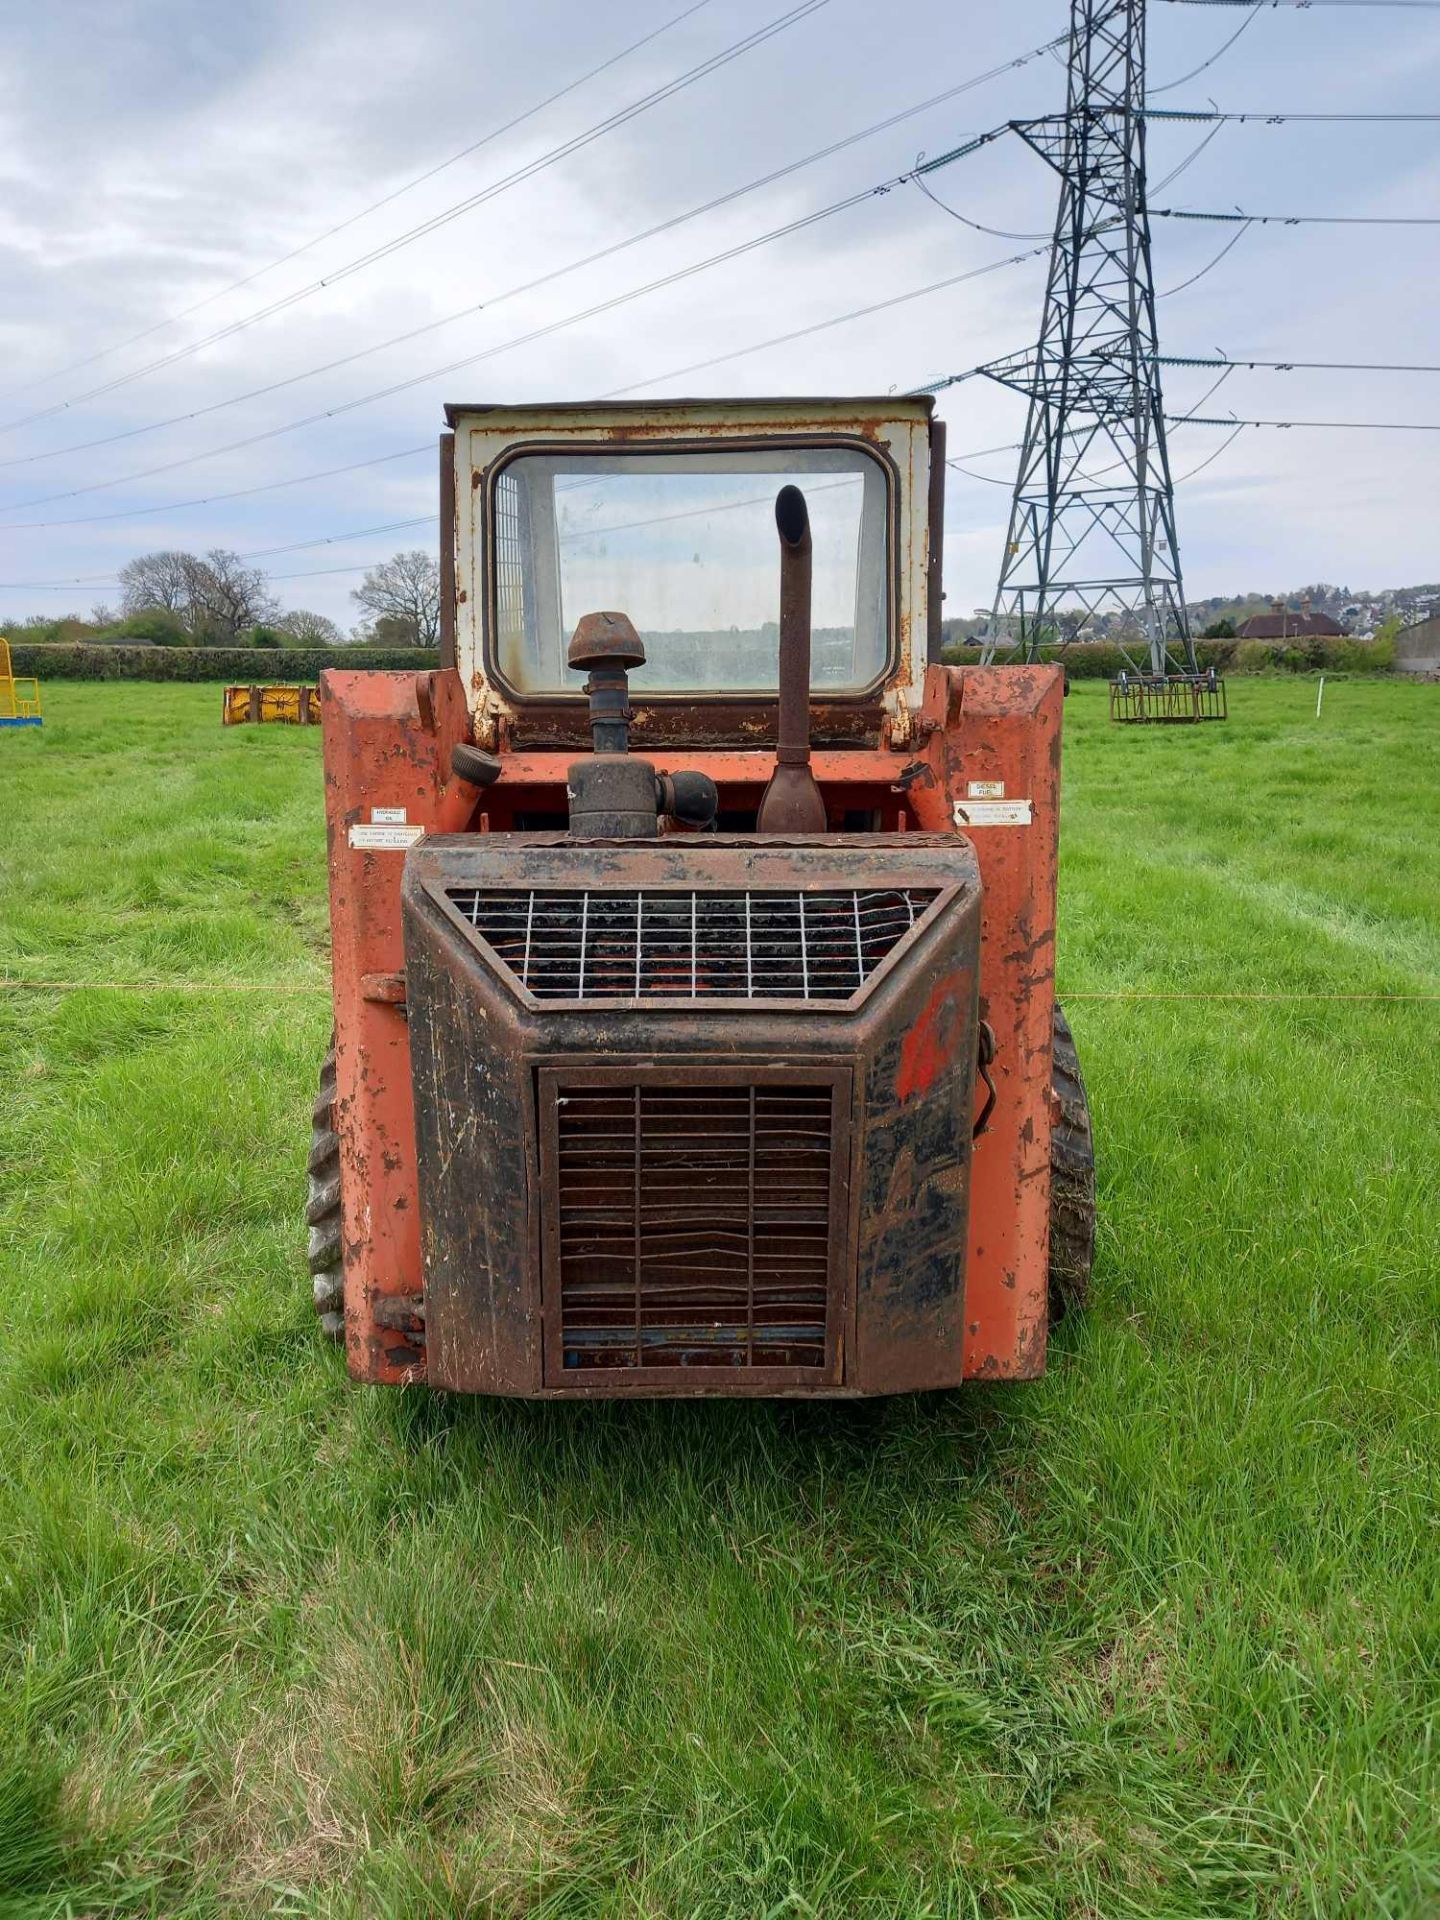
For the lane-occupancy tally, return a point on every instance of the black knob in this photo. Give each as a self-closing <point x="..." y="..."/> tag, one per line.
<point x="481" y="769"/>
<point x="690" y="798"/>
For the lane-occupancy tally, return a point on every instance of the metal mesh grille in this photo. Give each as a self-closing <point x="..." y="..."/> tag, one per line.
<point x="693" y="1225"/>
<point x="735" y="946"/>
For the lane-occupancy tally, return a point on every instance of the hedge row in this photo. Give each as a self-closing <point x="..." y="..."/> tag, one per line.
<point x="234" y="665"/>
<point x="1090" y="660"/>
<point x="1095" y="660"/>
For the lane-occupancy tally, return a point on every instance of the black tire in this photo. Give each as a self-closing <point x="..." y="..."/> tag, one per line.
<point x="322" y="1214"/>
<point x="1072" y="1181"/>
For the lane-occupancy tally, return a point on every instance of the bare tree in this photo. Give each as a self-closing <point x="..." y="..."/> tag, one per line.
<point x="156" y="580"/>
<point x="215" y="594"/>
<point x="404" y="590"/>
<point x="225" y="596"/>
<point x="309" y="629"/>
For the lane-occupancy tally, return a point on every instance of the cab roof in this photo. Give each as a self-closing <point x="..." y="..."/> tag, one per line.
<point x="888" y="406"/>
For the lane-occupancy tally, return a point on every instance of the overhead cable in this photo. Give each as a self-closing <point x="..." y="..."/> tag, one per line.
<point x="1249" y="21"/>
<point x="1205" y="114"/>
<point x="113" y="580"/>
<point x="541" y="280"/>
<point x="385" y="200"/>
<point x="670" y="279"/>
<point x="1358" y="426"/>
<point x="1356" y="6"/>
<point x="821" y="326"/>
<point x="1211" y="458"/>
<point x="254" y="553"/>
<point x="431" y="225"/>
<point x="338" y="539"/>
<point x="1302" y="366"/>
<point x="1167" y="293"/>
<point x="976" y="453"/>
<point x="1299" y="219"/>
<point x="998" y="233"/>
<point x="236" y="493"/>
<point x="1189" y="161"/>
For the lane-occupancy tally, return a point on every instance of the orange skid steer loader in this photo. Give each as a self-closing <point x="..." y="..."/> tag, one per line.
<point x="694" y="933"/>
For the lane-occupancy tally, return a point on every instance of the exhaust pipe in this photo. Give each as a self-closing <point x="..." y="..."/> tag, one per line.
<point x="792" y="802"/>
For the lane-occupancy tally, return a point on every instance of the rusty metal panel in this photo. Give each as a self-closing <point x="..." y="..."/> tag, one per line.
<point x="709" y="723"/>
<point x="381" y="753"/>
<point x="992" y="734"/>
<point x="480" y="1052"/>
<point x="935" y="546"/>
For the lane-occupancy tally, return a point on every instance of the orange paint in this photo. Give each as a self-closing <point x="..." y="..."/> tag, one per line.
<point x="929" y="1048"/>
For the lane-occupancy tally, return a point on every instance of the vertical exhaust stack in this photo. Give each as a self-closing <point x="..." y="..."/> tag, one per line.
<point x="792" y="802"/>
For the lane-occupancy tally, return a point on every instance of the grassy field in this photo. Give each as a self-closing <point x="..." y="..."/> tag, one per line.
<point x="1159" y="1635"/>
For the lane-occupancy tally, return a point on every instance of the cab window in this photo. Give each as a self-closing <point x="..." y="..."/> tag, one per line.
<point x="685" y="544"/>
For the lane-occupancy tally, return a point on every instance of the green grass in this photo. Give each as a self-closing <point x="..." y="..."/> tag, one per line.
<point x="1156" y="1636"/>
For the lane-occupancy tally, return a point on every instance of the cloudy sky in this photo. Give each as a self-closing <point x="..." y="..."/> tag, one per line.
<point x="154" y="155"/>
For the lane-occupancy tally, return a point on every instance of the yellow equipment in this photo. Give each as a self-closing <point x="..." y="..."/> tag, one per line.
<point x="19" y="699"/>
<point x="293" y="706"/>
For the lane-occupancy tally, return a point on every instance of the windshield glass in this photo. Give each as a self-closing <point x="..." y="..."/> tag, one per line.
<point x="685" y="544"/>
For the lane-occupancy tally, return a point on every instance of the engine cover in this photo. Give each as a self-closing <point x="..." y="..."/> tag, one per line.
<point x="693" y="1115"/>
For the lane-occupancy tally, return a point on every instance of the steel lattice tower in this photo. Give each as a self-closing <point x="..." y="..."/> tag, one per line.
<point x="1092" y="520"/>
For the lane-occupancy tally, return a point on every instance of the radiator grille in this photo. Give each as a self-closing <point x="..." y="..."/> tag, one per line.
<point x="693" y="1224"/>
<point x="635" y="945"/>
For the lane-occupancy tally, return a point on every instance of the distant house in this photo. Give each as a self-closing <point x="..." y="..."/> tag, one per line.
<point x="1282" y="623"/>
<point x="1417" y="648"/>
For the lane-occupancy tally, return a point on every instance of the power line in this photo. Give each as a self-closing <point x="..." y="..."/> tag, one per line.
<point x="486" y="353"/>
<point x="978" y="226"/>
<point x="975" y="453"/>
<point x="970" y="474"/>
<point x="337" y="539"/>
<point x="1301" y="366"/>
<point x="431" y="225"/>
<point x="113" y="580"/>
<point x="255" y="553"/>
<point x="530" y="286"/>
<point x="1356" y="6"/>
<point x="403" y="386"/>
<point x="1189" y="161"/>
<point x="1210" y="458"/>
<point x="1224" y="48"/>
<point x="1300" y="219"/>
<point x="820" y="326"/>
<point x="1167" y="293"/>
<point x="1279" y="119"/>
<point x="1359" y="426"/>
<point x="215" y="499"/>
<point x="374" y="207"/>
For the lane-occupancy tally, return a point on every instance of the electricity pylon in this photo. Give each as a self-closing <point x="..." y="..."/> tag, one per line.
<point x="1092" y="519"/>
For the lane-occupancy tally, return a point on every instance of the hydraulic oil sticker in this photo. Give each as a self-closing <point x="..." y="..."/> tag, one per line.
<point x="388" y="833"/>
<point x="992" y="813"/>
